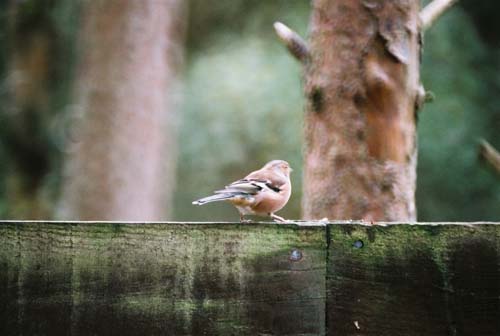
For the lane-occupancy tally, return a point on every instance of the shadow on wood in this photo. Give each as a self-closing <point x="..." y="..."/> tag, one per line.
<point x="249" y="279"/>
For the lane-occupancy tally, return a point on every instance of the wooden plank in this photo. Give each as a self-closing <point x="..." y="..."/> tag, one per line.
<point x="249" y="279"/>
<point x="160" y="278"/>
<point x="413" y="280"/>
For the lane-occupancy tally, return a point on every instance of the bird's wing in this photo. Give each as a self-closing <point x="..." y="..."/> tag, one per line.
<point x="244" y="186"/>
<point x="272" y="180"/>
<point x="255" y="182"/>
<point x="241" y="191"/>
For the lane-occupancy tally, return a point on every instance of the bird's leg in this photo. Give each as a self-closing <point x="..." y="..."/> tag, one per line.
<point x="277" y="218"/>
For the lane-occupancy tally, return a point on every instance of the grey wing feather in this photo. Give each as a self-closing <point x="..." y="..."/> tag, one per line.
<point x="213" y="198"/>
<point x="243" y="187"/>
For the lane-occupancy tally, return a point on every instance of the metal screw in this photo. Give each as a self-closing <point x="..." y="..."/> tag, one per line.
<point x="295" y="255"/>
<point x="358" y="244"/>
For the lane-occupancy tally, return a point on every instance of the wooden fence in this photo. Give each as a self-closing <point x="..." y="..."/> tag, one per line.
<point x="249" y="279"/>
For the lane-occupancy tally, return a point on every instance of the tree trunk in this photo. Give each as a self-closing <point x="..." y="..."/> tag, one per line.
<point x="362" y="85"/>
<point x="122" y="158"/>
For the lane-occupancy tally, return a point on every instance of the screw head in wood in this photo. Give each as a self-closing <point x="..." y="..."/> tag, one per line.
<point x="295" y="255"/>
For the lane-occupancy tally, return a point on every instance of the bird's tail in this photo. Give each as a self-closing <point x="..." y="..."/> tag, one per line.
<point x="214" y="198"/>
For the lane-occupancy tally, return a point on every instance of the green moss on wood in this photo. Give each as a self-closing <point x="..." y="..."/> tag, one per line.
<point x="447" y="277"/>
<point x="225" y="279"/>
<point x="209" y="279"/>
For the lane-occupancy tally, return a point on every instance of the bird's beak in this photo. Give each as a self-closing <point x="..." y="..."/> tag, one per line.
<point x="291" y="170"/>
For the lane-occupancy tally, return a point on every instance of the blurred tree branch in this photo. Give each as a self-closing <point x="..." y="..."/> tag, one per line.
<point x="489" y="154"/>
<point x="433" y="11"/>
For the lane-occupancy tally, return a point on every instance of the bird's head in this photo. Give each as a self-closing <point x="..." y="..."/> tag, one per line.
<point x="279" y="166"/>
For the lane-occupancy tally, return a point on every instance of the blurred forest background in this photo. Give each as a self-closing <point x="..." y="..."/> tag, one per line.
<point x="242" y="106"/>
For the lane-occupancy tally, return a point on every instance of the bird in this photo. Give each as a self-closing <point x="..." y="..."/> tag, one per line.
<point x="262" y="192"/>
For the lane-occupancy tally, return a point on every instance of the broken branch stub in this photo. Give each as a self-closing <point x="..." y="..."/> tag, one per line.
<point x="433" y="11"/>
<point x="490" y="155"/>
<point x="294" y="43"/>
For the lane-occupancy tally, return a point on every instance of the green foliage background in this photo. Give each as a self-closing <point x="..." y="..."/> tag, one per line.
<point x="243" y="106"/>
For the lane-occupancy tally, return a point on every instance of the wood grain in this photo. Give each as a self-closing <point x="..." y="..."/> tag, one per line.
<point x="130" y="279"/>
<point x="249" y="279"/>
<point x="414" y="280"/>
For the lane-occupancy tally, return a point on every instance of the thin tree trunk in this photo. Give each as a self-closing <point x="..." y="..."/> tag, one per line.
<point x="122" y="158"/>
<point x="362" y="85"/>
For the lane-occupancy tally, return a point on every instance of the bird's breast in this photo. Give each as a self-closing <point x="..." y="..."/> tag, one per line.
<point x="270" y="201"/>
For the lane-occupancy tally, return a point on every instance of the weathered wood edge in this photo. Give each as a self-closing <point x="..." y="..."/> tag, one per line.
<point x="298" y="223"/>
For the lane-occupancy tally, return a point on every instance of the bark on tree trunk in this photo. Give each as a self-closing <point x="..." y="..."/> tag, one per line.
<point x="122" y="158"/>
<point x="363" y="90"/>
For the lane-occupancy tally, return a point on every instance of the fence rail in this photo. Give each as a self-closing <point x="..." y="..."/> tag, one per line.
<point x="83" y="278"/>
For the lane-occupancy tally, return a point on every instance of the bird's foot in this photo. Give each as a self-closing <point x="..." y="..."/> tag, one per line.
<point x="278" y="218"/>
<point x="244" y="220"/>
